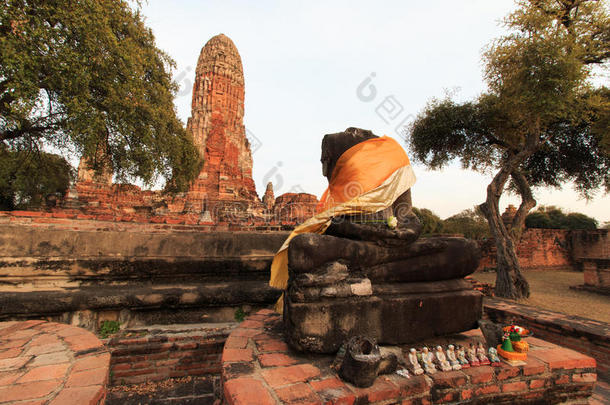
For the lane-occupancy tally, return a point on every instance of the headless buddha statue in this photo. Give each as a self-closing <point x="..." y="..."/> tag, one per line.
<point x="359" y="266"/>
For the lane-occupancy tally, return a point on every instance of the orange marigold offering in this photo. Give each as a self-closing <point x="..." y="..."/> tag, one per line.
<point x="521" y="346"/>
<point x="516" y="329"/>
<point x="511" y="355"/>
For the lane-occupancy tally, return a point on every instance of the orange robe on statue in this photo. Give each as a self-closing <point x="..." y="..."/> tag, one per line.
<point x="367" y="178"/>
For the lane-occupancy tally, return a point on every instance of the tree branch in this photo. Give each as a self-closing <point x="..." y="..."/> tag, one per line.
<point x="527" y="203"/>
<point x="17" y="133"/>
<point x="492" y="140"/>
<point x="28" y="128"/>
<point x="599" y="59"/>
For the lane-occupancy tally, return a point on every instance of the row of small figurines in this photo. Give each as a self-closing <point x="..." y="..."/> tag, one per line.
<point x="451" y="359"/>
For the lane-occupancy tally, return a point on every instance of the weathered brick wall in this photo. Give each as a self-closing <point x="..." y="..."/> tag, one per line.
<point x="552" y="248"/>
<point x="596" y="274"/>
<point x="295" y="207"/>
<point x="590" y="244"/>
<point x="163" y="354"/>
<point x="125" y="203"/>
<point x="538" y="249"/>
<point x="542" y="248"/>
<point x="77" y="220"/>
<point x="580" y="334"/>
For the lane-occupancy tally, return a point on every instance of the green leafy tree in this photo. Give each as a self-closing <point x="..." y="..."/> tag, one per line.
<point x="32" y="178"/>
<point x="554" y="218"/>
<point x="470" y="223"/>
<point x="540" y="122"/>
<point x="431" y="223"/>
<point x="538" y="219"/>
<point x="576" y="220"/>
<point x="86" y="76"/>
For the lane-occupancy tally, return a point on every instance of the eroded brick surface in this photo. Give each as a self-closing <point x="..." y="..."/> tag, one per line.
<point x="312" y="381"/>
<point x="47" y="368"/>
<point x="242" y="391"/>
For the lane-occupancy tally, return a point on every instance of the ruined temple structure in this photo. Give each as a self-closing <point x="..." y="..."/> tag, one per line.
<point x="225" y="184"/>
<point x="295" y="207"/>
<point x="224" y="193"/>
<point x="269" y="197"/>
<point x="508" y="215"/>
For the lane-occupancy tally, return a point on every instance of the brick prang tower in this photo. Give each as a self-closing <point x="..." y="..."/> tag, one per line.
<point x="225" y="185"/>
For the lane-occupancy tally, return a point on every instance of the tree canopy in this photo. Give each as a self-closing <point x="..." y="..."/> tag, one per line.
<point x="554" y="218"/>
<point x="28" y="179"/>
<point x="470" y="223"/>
<point x="431" y="223"/>
<point x="85" y="77"/>
<point x="541" y="121"/>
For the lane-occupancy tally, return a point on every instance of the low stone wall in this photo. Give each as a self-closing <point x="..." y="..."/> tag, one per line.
<point x="133" y="273"/>
<point x="149" y="354"/>
<point x="51" y="363"/>
<point x="581" y="334"/>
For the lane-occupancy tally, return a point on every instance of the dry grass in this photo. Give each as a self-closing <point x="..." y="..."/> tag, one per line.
<point x="550" y="289"/>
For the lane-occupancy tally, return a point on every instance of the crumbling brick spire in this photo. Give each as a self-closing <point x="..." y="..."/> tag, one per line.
<point x="216" y="124"/>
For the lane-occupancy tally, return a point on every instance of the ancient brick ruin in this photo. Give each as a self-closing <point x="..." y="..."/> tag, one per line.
<point x="224" y="192"/>
<point x="547" y="249"/>
<point x="225" y="184"/>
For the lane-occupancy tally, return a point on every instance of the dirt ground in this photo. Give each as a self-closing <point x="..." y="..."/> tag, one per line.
<point x="550" y="289"/>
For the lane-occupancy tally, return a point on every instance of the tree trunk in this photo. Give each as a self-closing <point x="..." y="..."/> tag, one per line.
<point x="527" y="203"/>
<point x="510" y="283"/>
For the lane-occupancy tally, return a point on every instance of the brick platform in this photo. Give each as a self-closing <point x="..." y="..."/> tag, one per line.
<point x="586" y="336"/>
<point x="51" y="363"/>
<point x="258" y="366"/>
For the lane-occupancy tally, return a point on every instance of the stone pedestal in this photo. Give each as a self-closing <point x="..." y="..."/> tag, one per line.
<point x="403" y="317"/>
<point x="596" y="275"/>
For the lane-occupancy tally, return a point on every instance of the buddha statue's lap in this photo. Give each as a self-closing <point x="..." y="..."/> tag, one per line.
<point x="427" y="259"/>
<point x="368" y="246"/>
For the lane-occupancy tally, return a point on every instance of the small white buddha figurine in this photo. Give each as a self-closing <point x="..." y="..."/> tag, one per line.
<point x="493" y="357"/>
<point x="413" y="363"/>
<point x="441" y="360"/>
<point x="481" y="355"/>
<point x="471" y="354"/>
<point x="451" y="357"/>
<point x="427" y="357"/>
<point x="461" y="356"/>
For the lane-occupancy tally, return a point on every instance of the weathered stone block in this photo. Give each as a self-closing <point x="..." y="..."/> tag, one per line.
<point x="323" y="326"/>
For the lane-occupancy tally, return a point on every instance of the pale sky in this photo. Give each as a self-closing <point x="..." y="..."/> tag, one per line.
<point x="303" y="65"/>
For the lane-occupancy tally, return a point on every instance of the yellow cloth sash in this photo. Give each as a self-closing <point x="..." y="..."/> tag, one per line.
<point x="367" y="178"/>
